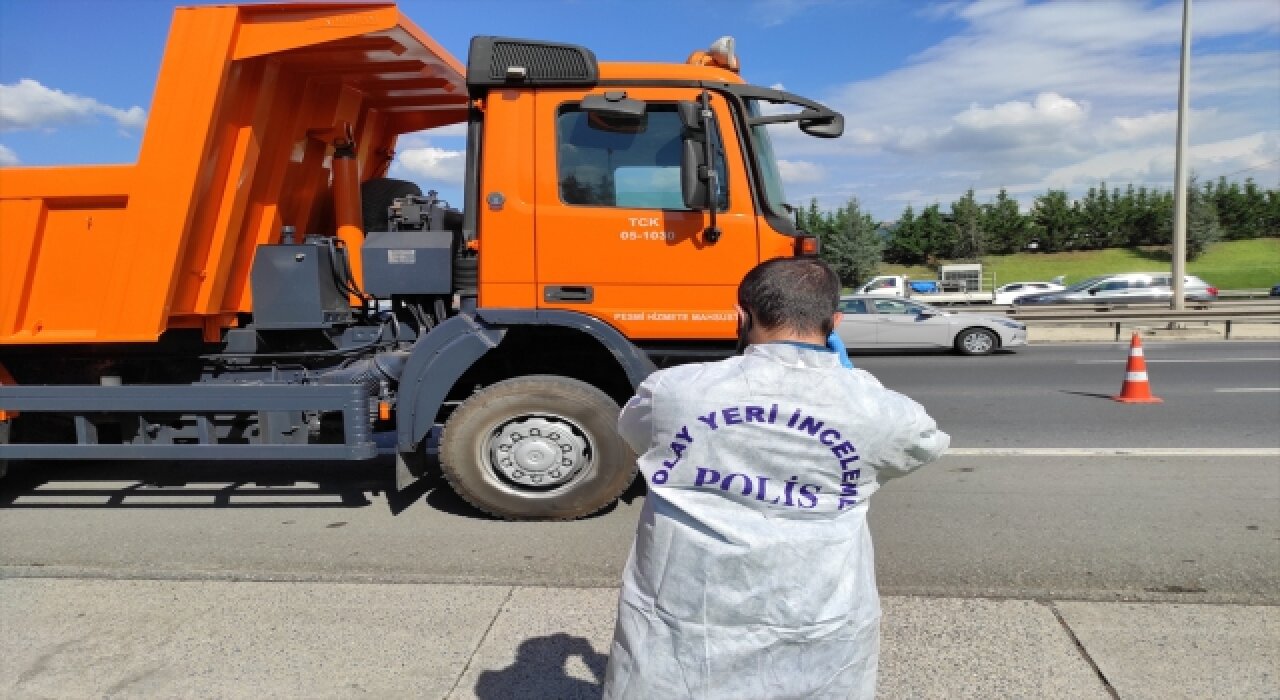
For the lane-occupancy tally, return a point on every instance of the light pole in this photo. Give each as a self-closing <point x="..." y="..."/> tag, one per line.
<point x="1180" y="167"/>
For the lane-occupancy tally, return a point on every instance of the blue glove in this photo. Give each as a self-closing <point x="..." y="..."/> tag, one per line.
<point x="837" y="346"/>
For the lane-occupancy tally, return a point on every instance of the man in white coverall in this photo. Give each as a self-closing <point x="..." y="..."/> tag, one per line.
<point x="752" y="574"/>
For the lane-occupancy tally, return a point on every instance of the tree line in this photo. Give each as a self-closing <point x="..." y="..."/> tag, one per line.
<point x="967" y="230"/>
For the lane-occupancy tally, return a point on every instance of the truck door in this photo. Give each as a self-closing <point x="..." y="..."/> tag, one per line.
<point x="613" y="238"/>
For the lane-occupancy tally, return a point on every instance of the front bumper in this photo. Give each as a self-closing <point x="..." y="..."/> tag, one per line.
<point x="1015" y="338"/>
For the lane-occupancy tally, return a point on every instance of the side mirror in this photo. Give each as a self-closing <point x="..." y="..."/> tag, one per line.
<point x="826" y="127"/>
<point x="1093" y="291"/>
<point x="693" y="159"/>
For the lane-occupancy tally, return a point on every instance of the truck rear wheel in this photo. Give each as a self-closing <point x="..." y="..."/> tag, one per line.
<point x="537" y="448"/>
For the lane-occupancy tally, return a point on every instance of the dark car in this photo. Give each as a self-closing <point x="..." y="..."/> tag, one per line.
<point x="1128" y="288"/>
<point x="1275" y="290"/>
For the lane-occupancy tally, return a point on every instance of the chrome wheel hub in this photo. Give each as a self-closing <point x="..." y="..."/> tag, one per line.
<point x="538" y="451"/>
<point x="977" y="342"/>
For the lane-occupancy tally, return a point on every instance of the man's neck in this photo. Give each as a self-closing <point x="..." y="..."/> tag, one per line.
<point x="781" y="335"/>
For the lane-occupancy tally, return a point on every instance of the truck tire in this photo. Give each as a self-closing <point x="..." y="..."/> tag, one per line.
<point x="976" y="341"/>
<point x="376" y="196"/>
<point x="540" y="447"/>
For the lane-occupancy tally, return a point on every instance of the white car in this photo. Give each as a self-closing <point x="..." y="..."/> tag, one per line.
<point x="1005" y="294"/>
<point x="886" y="322"/>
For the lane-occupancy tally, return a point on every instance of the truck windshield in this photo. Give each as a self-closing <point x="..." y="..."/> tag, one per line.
<point x="775" y="197"/>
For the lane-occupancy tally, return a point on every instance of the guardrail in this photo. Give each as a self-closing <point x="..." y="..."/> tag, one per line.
<point x="1153" y="306"/>
<point x="1244" y="293"/>
<point x="1133" y="315"/>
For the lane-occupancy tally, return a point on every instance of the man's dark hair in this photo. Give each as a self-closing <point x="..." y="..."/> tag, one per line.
<point x="799" y="294"/>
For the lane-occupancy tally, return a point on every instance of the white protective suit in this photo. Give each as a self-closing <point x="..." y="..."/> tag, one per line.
<point x="752" y="574"/>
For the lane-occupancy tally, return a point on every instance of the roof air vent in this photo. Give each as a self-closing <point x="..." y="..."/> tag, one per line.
<point x="497" y="62"/>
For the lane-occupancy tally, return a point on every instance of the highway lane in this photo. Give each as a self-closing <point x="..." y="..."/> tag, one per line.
<point x="1216" y="395"/>
<point x="1195" y="528"/>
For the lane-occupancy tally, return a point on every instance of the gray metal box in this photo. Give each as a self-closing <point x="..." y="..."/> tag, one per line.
<point x="408" y="262"/>
<point x="294" y="287"/>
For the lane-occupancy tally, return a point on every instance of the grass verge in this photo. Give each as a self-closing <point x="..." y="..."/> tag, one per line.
<point x="1249" y="264"/>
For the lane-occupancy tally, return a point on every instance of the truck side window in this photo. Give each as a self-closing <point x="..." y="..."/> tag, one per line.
<point x="634" y="166"/>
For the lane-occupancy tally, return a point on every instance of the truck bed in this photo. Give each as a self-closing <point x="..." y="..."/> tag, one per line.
<point x="237" y="145"/>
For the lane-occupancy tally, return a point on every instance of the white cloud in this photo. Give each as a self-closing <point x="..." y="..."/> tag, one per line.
<point x="1049" y="108"/>
<point x="27" y="104"/>
<point x="433" y="164"/>
<point x="7" y="156"/>
<point x="796" y="172"/>
<point x="418" y="139"/>
<point x="908" y="196"/>
<point x="1064" y="94"/>
<point x="1155" y="164"/>
<point x="1135" y="128"/>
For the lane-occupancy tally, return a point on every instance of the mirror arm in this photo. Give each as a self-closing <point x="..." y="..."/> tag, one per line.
<point x="712" y="232"/>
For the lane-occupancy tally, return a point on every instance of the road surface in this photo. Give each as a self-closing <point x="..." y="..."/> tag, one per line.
<point x="1055" y="492"/>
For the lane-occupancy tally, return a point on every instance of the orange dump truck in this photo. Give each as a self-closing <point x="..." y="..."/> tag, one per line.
<point x="254" y="287"/>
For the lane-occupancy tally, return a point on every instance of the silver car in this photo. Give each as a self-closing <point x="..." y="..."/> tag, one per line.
<point x="1127" y="288"/>
<point x="892" y="322"/>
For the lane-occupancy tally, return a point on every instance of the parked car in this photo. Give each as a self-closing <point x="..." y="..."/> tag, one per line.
<point x="1127" y="288"/>
<point x="1006" y="293"/>
<point x="889" y="322"/>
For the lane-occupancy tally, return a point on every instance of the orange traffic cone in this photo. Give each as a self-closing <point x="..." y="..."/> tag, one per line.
<point x="1136" y="387"/>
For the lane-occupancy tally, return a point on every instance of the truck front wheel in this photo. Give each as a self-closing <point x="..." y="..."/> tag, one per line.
<point x="537" y="448"/>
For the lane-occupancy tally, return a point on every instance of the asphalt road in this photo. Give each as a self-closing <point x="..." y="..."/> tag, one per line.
<point x="1080" y="523"/>
<point x="1058" y="395"/>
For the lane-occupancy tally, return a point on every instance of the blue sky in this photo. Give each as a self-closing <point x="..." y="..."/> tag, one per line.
<point x="938" y="97"/>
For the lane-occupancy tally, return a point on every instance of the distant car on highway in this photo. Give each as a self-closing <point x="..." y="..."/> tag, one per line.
<point x="877" y="322"/>
<point x="1006" y="293"/>
<point x="1275" y="290"/>
<point x="1127" y="288"/>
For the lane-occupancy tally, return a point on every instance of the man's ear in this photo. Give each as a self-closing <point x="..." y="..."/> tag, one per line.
<point x="835" y="320"/>
<point x="744" y="317"/>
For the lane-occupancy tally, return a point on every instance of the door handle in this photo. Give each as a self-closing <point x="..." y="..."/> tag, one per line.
<point x="578" y="294"/>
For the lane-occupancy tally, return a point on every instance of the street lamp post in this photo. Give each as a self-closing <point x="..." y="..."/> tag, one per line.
<point x="1180" y="167"/>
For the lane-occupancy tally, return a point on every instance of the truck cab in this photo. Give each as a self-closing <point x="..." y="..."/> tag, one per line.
<point x="585" y="191"/>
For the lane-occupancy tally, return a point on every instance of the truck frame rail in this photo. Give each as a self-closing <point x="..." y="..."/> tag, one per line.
<point x="198" y="422"/>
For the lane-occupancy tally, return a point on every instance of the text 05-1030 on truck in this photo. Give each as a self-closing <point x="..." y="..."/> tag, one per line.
<point x="253" y="287"/>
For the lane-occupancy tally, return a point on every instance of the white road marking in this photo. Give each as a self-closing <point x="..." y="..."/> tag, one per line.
<point x="1250" y="390"/>
<point x="1207" y="359"/>
<point x="1114" y="451"/>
